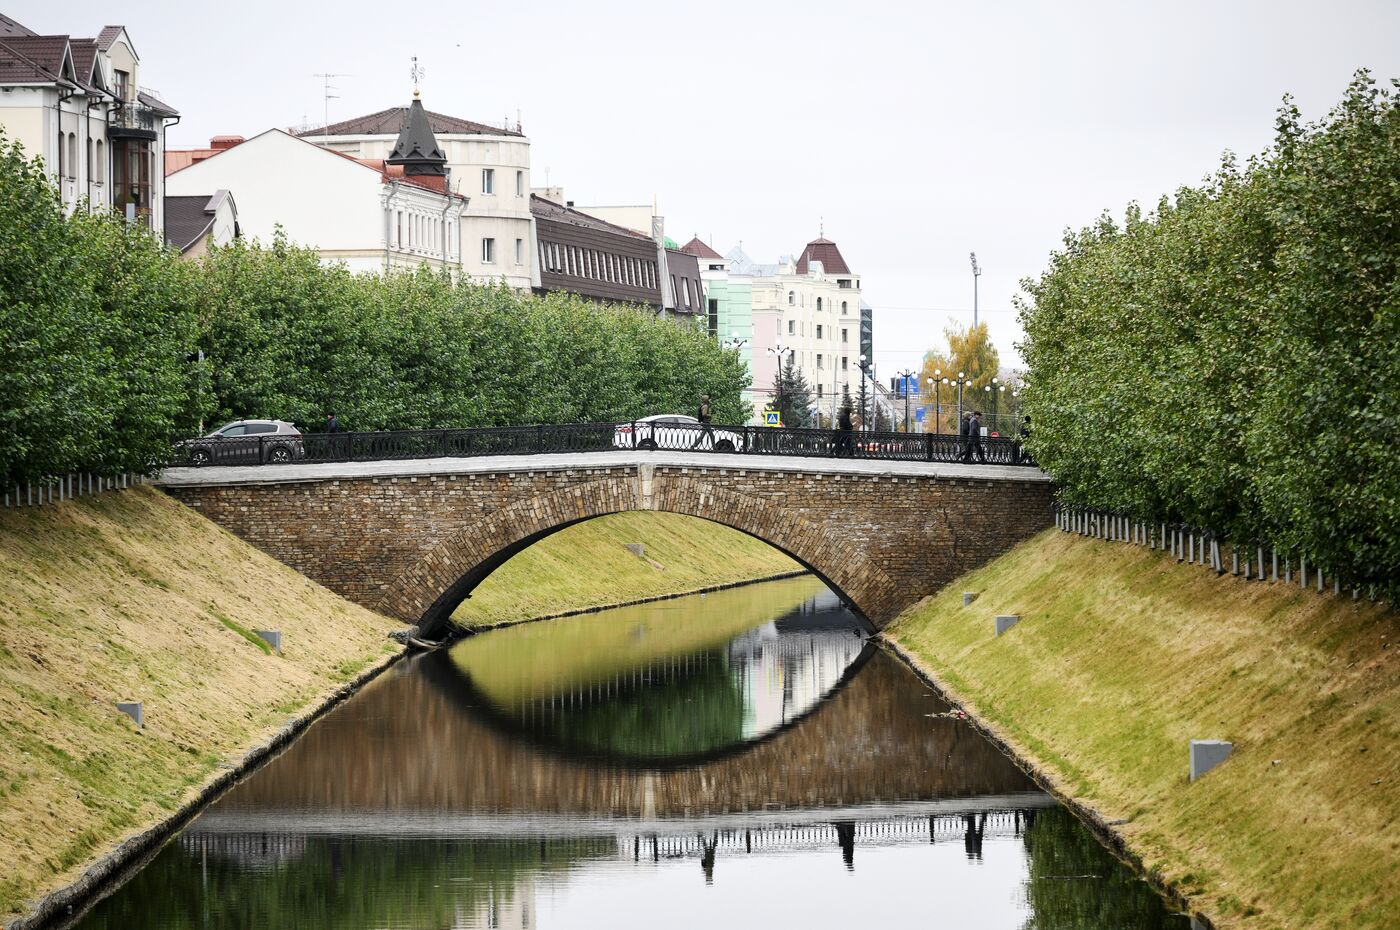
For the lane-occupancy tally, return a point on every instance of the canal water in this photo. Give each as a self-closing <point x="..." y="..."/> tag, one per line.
<point x="746" y="758"/>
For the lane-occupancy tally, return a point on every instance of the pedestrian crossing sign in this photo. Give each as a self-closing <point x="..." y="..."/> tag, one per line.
<point x="772" y="418"/>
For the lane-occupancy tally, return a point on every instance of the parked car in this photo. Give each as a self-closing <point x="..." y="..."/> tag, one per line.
<point x="674" y="431"/>
<point x="246" y="442"/>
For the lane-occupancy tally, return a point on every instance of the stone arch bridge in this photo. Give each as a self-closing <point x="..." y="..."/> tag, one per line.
<point x="411" y="539"/>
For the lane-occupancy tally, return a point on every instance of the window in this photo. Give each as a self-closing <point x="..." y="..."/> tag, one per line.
<point x="101" y="162"/>
<point x="792" y="298"/>
<point x="255" y="428"/>
<point x="520" y="184"/>
<point x="819" y="330"/>
<point x="72" y="155"/>
<point x="520" y="251"/>
<point x="488" y="180"/>
<point x="819" y="305"/>
<point x="843" y="308"/>
<point x="714" y="317"/>
<point x="685" y="285"/>
<point x="819" y="360"/>
<point x="843" y="363"/>
<point x="819" y="387"/>
<point x="844" y="284"/>
<point x="122" y="81"/>
<point x="792" y="328"/>
<point x="91" y="174"/>
<point x="675" y="291"/>
<point x="844" y="340"/>
<point x="488" y="250"/>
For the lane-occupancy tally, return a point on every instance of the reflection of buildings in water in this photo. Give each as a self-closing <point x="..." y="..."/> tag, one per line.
<point x="783" y="675"/>
<point x="250" y="851"/>
<point x="504" y="908"/>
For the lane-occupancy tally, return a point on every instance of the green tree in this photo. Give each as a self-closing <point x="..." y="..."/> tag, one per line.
<point x="1232" y="360"/>
<point x="793" y="395"/>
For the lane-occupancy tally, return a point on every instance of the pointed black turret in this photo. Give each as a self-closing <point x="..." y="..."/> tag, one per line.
<point x="417" y="148"/>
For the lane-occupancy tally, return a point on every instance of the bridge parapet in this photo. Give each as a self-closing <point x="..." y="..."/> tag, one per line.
<point x="411" y="539"/>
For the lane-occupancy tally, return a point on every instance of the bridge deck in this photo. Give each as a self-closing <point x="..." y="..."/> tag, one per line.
<point x="577" y="461"/>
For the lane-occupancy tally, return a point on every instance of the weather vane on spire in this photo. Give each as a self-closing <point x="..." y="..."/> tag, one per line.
<point x="417" y="72"/>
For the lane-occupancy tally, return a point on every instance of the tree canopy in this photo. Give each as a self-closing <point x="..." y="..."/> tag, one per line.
<point x="1232" y="360"/>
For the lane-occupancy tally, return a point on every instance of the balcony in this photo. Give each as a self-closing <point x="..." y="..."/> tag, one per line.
<point x="129" y="120"/>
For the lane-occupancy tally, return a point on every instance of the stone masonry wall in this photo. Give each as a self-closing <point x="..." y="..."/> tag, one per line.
<point x="412" y="547"/>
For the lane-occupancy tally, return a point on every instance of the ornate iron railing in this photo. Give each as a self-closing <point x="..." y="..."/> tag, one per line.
<point x="595" y="437"/>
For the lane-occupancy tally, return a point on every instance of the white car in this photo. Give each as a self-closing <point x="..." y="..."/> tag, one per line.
<point x="675" y="431"/>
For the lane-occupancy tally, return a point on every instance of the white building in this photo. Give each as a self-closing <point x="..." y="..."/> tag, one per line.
<point x="371" y="215"/>
<point x="811" y="306"/>
<point x="78" y="104"/>
<point x="486" y="164"/>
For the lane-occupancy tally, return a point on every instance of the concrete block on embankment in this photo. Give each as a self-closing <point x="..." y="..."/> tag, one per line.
<point x="1005" y="622"/>
<point x="1206" y="754"/>
<point x="272" y="637"/>
<point x="133" y="710"/>
<point x="969" y="597"/>
<point x="637" y="549"/>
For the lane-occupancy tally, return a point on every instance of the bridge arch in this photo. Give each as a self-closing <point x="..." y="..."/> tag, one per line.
<point x="430" y="590"/>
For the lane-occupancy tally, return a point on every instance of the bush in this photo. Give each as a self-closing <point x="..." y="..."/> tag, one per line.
<point x="1233" y="360"/>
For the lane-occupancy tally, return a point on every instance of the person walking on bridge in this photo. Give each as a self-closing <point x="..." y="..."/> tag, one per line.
<point x="974" y="439"/>
<point x="703" y="415"/>
<point x="843" y="444"/>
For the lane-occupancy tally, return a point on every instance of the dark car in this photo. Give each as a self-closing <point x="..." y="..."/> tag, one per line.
<point x="246" y="442"/>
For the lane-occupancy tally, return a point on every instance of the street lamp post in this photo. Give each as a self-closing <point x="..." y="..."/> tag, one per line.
<point x="904" y="377"/>
<point x="864" y="419"/>
<point x="976" y="273"/>
<point x="778" y="351"/>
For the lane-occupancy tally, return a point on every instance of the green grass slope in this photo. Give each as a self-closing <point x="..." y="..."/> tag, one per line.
<point x="130" y="596"/>
<point x="1122" y="656"/>
<point x="588" y="565"/>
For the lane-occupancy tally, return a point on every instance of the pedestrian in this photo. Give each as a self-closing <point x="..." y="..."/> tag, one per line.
<point x="962" y="434"/>
<point x="337" y="447"/>
<point x="974" y="439"/>
<point x="703" y="415"/>
<point x="843" y="432"/>
<point x="1021" y="454"/>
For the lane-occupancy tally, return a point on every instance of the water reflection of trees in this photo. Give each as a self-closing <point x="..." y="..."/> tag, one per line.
<point x="1074" y="883"/>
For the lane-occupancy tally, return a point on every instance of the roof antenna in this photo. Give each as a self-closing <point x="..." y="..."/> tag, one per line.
<point x="327" y="96"/>
<point x="417" y="72"/>
<point x="821" y="227"/>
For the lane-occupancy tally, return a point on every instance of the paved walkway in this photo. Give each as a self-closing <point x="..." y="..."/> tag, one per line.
<point x="495" y="464"/>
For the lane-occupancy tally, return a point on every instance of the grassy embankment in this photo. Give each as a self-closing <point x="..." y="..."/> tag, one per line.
<point x="587" y="566"/>
<point x="130" y="596"/>
<point x="1122" y="656"/>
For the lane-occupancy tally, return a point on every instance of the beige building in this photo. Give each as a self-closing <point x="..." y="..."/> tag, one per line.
<point x="488" y="165"/>
<point x="811" y="306"/>
<point x="78" y="104"/>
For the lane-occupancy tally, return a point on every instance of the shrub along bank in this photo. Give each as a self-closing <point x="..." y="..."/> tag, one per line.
<point x="564" y="572"/>
<point x="102" y="330"/>
<point x="1122" y="656"/>
<point x="129" y="596"/>
<point x="1232" y="360"/>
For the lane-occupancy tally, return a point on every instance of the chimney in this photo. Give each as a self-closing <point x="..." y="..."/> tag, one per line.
<point x="224" y="143"/>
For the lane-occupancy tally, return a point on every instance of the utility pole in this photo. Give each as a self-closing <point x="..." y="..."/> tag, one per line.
<point x="976" y="273"/>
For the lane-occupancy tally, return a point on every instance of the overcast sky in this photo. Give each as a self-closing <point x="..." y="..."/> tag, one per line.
<point x="916" y="132"/>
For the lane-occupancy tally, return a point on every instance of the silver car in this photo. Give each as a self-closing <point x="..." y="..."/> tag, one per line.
<point x="674" y="431"/>
<point x="246" y="442"/>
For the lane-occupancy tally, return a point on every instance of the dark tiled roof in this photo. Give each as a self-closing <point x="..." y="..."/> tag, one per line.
<point x="700" y="249"/>
<point x="389" y="122"/>
<point x="32" y="59"/>
<point x="549" y="210"/>
<point x="8" y="27"/>
<point x="188" y="218"/>
<point x="107" y="36"/>
<point x="155" y="103"/>
<point x="826" y="252"/>
<point x="84" y="56"/>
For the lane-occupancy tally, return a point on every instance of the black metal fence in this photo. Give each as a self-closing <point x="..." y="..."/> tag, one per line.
<point x="594" y="437"/>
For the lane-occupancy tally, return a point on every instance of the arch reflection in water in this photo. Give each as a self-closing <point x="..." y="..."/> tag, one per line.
<point x="821" y="793"/>
<point x="667" y="683"/>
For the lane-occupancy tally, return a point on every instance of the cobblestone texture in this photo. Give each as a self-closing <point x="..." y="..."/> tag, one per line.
<point x="413" y="546"/>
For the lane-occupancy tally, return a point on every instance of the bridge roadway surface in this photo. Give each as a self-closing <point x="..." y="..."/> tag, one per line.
<point x="214" y="476"/>
<point x="411" y="538"/>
